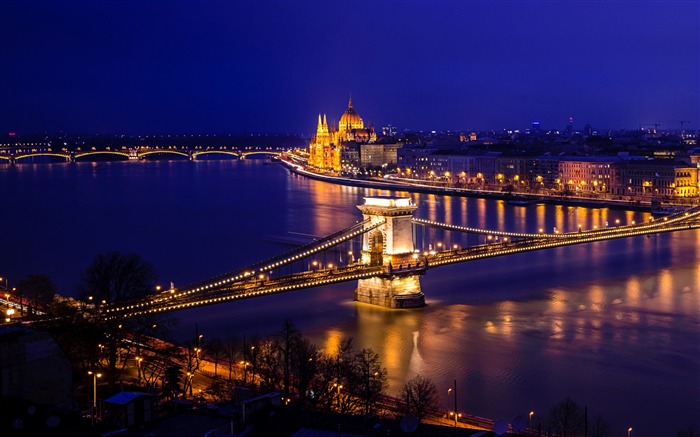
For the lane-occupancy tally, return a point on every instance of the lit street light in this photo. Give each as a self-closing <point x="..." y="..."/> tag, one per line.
<point x="629" y="431"/>
<point x="94" y="394"/>
<point x="531" y="414"/>
<point x="455" y="396"/>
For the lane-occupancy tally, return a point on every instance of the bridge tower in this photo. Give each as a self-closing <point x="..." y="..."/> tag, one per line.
<point x="390" y="245"/>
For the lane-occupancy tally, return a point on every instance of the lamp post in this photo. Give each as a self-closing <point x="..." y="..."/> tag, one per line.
<point x="629" y="431"/>
<point x="531" y="414"/>
<point x="455" y="398"/>
<point x="94" y="394"/>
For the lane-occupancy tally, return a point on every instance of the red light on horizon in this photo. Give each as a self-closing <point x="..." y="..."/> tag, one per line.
<point x="12" y="134"/>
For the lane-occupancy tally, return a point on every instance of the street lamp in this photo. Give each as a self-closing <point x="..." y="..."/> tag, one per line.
<point x="138" y="367"/>
<point x="629" y="431"/>
<point x="455" y="393"/>
<point x="94" y="394"/>
<point x="531" y="414"/>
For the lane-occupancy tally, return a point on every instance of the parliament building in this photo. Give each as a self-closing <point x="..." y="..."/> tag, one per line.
<point x="331" y="146"/>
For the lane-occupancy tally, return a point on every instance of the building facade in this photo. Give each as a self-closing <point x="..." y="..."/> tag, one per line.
<point x="658" y="178"/>
<point x="326" y="146"/>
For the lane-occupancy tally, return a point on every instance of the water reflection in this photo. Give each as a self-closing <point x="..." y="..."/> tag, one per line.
<point x="612" y="324"/>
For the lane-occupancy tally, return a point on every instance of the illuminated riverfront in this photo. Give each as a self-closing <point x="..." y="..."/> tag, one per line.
<point x="505" y="326"/>
<point x="390" y="265"/>
<point x="355" y="218"/>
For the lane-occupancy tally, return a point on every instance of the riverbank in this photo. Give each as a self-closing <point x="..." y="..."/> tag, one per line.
<point x="522" y="199"/>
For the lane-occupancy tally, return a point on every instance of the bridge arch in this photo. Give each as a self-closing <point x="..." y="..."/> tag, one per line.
<point x="79" y="155"/>
<point x="162" y="152"/>
<point x="259" y="152"/>
<point x="38" y="154"/>
<point x="217" y="152"/>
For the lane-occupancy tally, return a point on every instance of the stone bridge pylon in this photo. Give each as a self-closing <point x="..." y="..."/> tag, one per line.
<point x="390" y="245"/>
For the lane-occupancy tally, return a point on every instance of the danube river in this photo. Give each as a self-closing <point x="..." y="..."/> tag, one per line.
<point x="614" y="325"/>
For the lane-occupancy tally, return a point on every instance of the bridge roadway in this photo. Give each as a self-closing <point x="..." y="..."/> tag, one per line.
<point x="252" y="286"/>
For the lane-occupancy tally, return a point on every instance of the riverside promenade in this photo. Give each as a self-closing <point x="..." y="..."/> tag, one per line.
<point x="419" y="186"/>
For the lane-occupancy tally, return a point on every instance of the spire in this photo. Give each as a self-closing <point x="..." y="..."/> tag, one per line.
<point x="325" y="124"/>
<point x="319" y="120"/>
<point x="350" y="102"/>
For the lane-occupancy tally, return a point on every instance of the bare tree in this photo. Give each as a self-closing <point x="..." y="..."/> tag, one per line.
<point x="287" y="338"/>
<point x="268" y="364"/>
<point x="233" y="348"/>
<point x="599" y="428"/>
<point x="38" y="290"/>
<point x="216" y="351"/>
<point x="305" y="363"/>
<point x="370" y="379"/>
<point x="566" y="418"/>
<point x="113" y="277"/>
<point x="421" y="396"/>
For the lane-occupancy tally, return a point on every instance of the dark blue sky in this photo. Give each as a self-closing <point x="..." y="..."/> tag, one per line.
<point x="272" y="66"/>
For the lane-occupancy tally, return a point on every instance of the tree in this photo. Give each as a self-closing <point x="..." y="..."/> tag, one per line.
<point x="305" y="363"/>
<point x="232" y="348"/>
<point x="111" y="278"/>
<point x="287" y="338"/>
<point x="566" y="418"/>
<point x="268" y="364"/>
<point x="216" y="351"/>
<point x="599" y="428"/>
<point x="370" y="379"/>
<point x="171" y="381"/>
<point x="220" y="390"/>
<point x="38" y="290"/>
<point x="114" y="277"/>
<point x="421" y="396"/>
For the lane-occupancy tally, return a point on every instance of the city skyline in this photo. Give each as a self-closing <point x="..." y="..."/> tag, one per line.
<point x="124" y="67"/>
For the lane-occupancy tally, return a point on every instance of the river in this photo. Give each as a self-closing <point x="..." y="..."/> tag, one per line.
<point x="614" y="325"/>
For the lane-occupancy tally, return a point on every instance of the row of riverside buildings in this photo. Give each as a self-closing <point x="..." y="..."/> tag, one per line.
<point x="619" y="175"/>
<point x="352" y="146"/>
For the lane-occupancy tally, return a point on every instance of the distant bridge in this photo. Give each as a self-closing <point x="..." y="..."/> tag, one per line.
<point x="13" y="155"/>
<point x="389" y="266"/>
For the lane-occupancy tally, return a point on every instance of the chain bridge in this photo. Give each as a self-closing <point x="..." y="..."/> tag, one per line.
<point x="390" y="261"/>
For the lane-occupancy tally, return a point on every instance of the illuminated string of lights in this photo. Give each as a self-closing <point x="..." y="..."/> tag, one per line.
<point x="232" y="288"/>
<point x="326" y="243"/>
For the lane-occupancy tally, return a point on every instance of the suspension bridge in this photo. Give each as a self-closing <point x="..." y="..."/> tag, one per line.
<point x="389" y="262"/>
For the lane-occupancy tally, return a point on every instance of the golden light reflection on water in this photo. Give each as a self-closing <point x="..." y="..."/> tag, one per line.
<point x="331" y="345"/>
<point x="395" y="336"/>
<point x="448" y="209"/>
<point x="665" y="291"/>
<point x="633" y="295"/>
<point x="501" y="214"/>
<point x="596" y="298"/>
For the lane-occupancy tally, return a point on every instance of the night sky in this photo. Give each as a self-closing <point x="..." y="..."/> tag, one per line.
<point x="272" y="66"/>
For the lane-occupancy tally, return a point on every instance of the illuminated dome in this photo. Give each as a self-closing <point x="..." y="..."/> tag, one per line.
<point x="350" y="119"/>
